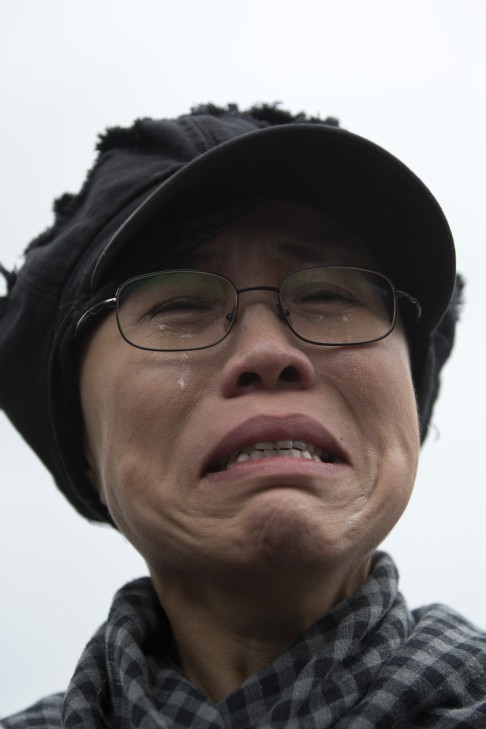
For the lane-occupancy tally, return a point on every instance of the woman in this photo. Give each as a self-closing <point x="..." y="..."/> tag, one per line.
<point x="247" y="314"/>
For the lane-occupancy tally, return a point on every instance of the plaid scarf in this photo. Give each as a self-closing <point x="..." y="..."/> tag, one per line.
<point x="369" y="664"/>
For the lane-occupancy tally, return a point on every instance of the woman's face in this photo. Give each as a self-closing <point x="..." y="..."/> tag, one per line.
<point x="157" y="422"/>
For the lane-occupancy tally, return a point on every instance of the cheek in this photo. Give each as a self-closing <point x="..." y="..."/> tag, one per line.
<point x="378" y="394"/>
<point x="383" y="394"/>
<point x="393" y="406"/>
<point x="135" y="414"/>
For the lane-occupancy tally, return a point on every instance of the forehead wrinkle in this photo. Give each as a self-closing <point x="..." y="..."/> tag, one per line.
<point x="320" y="251"/>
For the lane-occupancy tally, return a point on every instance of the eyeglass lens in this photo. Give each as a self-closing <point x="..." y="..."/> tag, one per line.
<point x="176" y="310"/>
<point x="182" y="310"/>
<point x="338" y="305"/>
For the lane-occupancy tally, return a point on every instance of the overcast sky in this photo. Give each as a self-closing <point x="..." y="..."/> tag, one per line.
<point x="408" y="75"/>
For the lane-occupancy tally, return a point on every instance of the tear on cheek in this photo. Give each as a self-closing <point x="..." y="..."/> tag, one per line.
<point x="183" y="380"/>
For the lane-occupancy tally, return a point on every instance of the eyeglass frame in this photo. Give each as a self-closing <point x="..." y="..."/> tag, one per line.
<point x="112" y="303"/>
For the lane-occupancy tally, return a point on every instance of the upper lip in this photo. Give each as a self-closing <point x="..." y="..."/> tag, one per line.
<point x="294" y="426"/>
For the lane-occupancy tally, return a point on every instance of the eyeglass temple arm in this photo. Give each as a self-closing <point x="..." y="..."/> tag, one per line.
<point x="411" y="300"/>
<point x="94" y="311"/>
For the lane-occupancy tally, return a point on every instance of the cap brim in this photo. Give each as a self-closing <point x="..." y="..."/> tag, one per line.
<point x="356" y="180"/>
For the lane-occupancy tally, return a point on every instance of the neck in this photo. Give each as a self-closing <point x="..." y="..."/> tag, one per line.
<point x="244" y="624"/>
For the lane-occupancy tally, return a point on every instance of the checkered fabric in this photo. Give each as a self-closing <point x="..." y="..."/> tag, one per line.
<point x="369" y="664"/>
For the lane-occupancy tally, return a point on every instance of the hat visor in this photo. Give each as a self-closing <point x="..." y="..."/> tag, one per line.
<point x="360" y="183"/>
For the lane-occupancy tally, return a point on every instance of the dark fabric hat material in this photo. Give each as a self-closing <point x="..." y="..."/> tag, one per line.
<point x="175" y="170"/>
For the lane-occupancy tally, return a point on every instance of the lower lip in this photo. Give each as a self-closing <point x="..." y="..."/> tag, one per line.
<point x="279" y="466"/>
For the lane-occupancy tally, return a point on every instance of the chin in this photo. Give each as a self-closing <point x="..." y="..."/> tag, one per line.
<point x="286" y="530"/>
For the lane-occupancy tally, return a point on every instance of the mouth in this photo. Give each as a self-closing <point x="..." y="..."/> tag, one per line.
<point x="265" y="436"/>
<point x="288" y="448"/>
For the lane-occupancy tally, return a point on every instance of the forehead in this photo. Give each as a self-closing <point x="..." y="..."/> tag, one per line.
<point x="278" y="232"/>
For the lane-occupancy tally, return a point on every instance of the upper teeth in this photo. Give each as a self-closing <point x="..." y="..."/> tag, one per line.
<point x="270" y="449"/>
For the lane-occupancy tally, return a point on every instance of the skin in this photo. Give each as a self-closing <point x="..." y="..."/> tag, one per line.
<point x="244" y="560"/>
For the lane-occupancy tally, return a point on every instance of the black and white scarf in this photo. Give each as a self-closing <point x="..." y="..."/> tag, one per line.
<point x="369" y="664"/>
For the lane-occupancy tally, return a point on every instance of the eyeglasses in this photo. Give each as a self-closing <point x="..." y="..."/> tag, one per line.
<point x="172" y="311"/>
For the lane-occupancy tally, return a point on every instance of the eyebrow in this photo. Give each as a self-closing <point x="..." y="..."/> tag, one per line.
<point x="301" y="250"/>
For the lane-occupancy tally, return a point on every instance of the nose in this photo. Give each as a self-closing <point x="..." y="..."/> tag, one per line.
<point x="263" y="355"/>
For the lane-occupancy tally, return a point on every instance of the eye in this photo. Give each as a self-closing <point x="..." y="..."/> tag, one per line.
<point x="181" y="305"/>
<point x="324" y="295"/>
<point x="180" y="311"/>
<point x="330" y="295"/>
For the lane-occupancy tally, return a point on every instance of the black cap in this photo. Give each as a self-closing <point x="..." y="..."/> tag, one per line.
<point x="177" y="169"/>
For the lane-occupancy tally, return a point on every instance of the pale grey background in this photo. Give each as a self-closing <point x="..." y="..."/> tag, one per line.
<point x="408" y="75"/>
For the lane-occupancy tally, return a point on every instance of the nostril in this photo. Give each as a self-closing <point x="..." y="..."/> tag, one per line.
<point x="246" y="379"/>
<point x="290" y="374"/>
